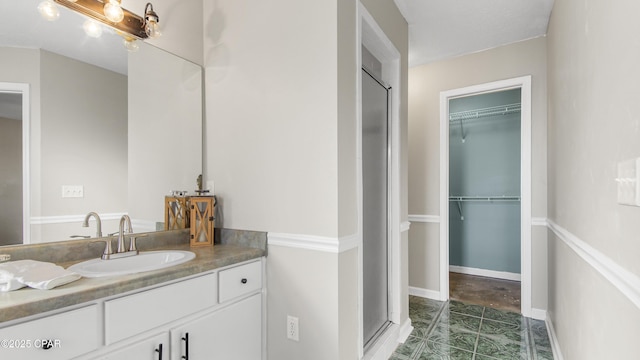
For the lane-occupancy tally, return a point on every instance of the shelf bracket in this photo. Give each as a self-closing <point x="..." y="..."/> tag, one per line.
<point x="460" y="209"/>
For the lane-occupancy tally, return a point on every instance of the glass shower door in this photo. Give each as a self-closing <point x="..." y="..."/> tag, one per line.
<point x="375" y="180"/>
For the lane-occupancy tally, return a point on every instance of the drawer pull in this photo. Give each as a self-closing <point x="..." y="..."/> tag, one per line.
<point x="244" y="280"/>
<point x="186" y="346"/>
<point x="159" y="351"/>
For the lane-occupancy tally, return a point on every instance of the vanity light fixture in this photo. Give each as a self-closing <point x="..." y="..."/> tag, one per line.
<point x="151" y="21"/>
<point x="110" y="13"/>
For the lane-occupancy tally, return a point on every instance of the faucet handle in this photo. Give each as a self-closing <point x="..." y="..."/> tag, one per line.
<point x="132" y="242"/>
<point x="108" y="250"/>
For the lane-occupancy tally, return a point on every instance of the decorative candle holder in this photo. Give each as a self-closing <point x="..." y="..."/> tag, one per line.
<point x="202" y="220"/>
<point x="176" y="212"/>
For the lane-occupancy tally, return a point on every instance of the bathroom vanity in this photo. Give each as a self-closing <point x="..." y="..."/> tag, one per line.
<point x="211" y="307"/>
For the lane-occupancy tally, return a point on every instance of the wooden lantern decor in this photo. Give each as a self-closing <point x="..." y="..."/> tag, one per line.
<point x="202" y="220"/>
<point x="176" y="212"/>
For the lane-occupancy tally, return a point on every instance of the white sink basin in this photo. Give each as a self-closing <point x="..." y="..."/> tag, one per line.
<point x="145" y="261"/>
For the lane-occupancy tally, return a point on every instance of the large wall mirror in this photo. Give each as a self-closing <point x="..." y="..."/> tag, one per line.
<point x="105" y="130"/>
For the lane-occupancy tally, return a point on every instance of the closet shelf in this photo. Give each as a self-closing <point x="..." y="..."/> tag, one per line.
<point x="485" y="198"/>
<point x="486" y="112"/>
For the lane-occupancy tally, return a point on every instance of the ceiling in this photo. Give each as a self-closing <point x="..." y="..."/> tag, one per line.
<point x="441" y="29"/>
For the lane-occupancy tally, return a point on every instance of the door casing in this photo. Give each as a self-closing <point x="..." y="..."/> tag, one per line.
<point x="524" y="83"/>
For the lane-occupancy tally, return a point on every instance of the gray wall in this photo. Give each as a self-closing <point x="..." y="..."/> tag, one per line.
<point x="487" y="163"/>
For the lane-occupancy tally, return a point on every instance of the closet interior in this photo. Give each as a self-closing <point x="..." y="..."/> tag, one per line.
<point x="484" y="198"/>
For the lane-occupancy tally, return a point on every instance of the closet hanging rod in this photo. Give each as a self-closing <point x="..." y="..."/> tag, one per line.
<point x="485" y="198"/>
<point x="485" y="112"/>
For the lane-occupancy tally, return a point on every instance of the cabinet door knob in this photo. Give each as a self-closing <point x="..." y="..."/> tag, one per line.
<point x="244" y="280"/>
<point x="159" y="351"/>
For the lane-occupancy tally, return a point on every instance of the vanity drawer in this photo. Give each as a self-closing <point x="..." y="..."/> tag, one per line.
<point x="240" y="280"/>
<point x="137" y="313"/>
<point x="67" y="335"/>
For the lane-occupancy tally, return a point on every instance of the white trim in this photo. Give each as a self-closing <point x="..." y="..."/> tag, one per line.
<point x="64" y="219"/>
<point x="626" y="282"/>
<point x="405" y="330"/>
<point x="389" y="341"/>
<point x="140" y="225"/>
<point x="524" y="83"/>
<point x="537" y="221"/>
<point x="485" y="272"/>
<point x="405" y="226"/>
<point x="539" y="314"/>
<point x="424" y="218"/>
<point x="313" y="242"/>
<point x="371" y="35"/>
<point x="553" y="339"/>
<point x="424" y="293"/>
<point x="24" y="89"/>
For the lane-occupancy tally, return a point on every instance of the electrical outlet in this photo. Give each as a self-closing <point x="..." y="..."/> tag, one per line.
<point x="292" y="328"/>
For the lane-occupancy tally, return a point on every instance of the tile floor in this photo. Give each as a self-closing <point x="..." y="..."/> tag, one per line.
<point x="454" y="330"/>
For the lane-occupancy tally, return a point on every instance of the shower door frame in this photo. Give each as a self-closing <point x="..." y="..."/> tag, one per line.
<point x="523" y="83"/>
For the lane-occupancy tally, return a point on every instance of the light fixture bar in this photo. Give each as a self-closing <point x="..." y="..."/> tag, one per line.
<point x="131" y="24"/>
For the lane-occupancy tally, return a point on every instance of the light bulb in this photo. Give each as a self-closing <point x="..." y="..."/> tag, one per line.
<point x="48" y="10"/>
<point x="151" y="21"/>
<point x="113" y="11"/>
<point x="92" y="28"/>
<point x="131" y="44"/>
<point x="152" y="29"/>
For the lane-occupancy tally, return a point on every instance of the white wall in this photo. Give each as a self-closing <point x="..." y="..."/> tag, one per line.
<point x="280" y="147"/>
<point x="593" y="56"/>
<point x="425" y="84"/>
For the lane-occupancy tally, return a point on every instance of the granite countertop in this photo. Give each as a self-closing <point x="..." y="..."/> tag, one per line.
<point x="25" y="302"/>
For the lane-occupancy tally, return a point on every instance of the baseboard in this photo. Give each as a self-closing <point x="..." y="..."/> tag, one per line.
<point x="539" y="314"/>
<point x="555" y="344"/>
<point x="484" y="272"/>
<point x="424" y="293"/>
<point x="405" y="331"/>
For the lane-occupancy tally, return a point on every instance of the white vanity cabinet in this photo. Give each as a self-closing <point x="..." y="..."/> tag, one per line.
<point x="233" y="332"/>
<point x="153" y="348"/>
<point x="192" y="319"/>
<point x="57" y="337"/>
<point x="220" y="311"/>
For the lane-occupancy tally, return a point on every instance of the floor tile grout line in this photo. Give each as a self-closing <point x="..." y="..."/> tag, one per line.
<point x="475" y="346"/>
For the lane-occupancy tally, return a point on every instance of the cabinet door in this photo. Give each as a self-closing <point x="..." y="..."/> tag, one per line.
<point x="154" y="348"/>
<point x="234" y="332"/>
<point x="61" y="336"/>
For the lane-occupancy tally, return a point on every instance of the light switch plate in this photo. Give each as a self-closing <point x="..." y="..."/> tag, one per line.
<point x="629" y="182"/>
<point x="72" y="191"/>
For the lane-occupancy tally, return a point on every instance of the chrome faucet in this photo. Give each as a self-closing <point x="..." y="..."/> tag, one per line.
<point x="98" y="223"/>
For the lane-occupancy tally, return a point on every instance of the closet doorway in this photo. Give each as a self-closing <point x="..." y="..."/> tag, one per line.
<point x="485" y="207"/>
